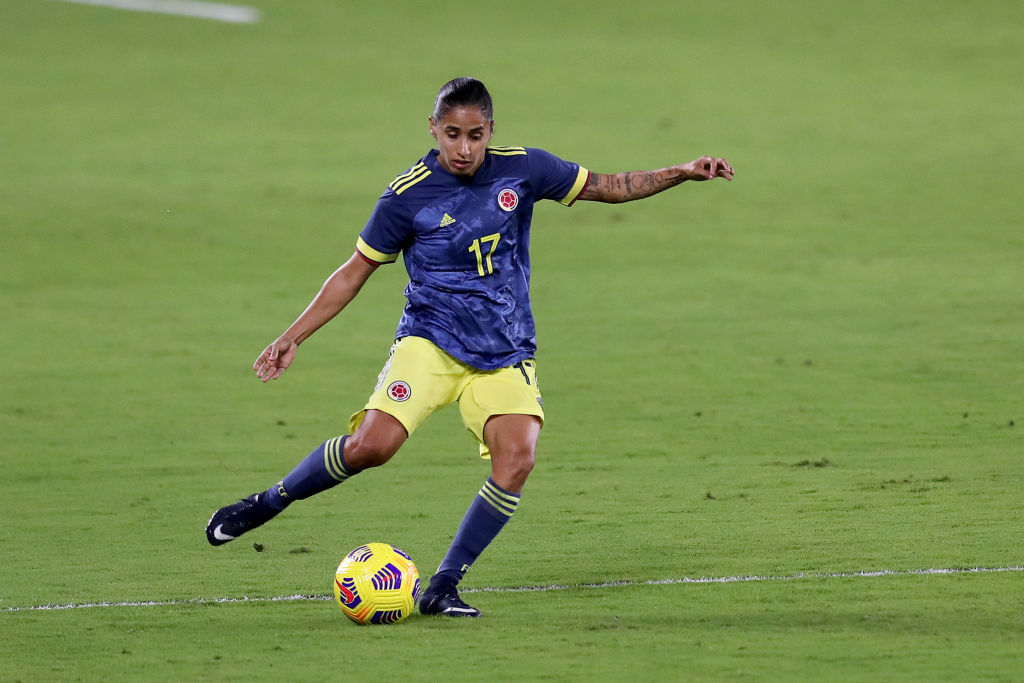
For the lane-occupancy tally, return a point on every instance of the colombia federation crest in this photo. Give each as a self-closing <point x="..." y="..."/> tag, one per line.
<point x="508" y="200"/>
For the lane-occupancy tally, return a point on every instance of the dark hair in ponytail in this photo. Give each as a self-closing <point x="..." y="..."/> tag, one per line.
<point x="463" y="92"/>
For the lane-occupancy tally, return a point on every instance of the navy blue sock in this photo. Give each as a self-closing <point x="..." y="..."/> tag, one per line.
<point x="320" y="470"/>
<point x="487" y="515"/>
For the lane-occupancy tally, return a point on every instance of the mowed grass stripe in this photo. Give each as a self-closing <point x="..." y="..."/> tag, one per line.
<point x="879" y="573"/>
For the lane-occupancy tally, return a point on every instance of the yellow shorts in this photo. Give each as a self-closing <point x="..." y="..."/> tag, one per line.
<point x="419" y="378"/>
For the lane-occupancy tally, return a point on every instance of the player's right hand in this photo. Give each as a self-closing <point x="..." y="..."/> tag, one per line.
<point x="275" y="359"/>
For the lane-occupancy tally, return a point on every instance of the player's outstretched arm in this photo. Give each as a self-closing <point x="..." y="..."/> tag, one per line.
<point x="625" y="187"/>
<point x="336" y="293"/>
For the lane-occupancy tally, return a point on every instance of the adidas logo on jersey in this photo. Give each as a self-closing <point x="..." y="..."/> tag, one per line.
<point x="446" y="221"/>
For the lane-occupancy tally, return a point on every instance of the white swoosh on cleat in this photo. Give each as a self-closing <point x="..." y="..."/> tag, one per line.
<point x="460" y="610"/>
<point x="220" y="535"/>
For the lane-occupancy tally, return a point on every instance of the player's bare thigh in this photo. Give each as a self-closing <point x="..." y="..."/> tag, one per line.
<point x="375" y="441"/>
<point x="512" y="440"/>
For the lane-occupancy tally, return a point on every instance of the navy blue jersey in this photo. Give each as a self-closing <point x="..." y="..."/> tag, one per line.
<point x="466" y="247"/>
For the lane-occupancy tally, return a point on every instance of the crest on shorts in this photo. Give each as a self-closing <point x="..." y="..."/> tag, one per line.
<point x="508" y="200"/>
<point x="399" y="391"/>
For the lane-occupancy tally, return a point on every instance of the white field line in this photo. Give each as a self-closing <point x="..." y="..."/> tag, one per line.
<point x="536" y="589"/>
<point x="232" y="14"/>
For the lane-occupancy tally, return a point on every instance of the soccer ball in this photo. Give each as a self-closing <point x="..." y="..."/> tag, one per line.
<point x="377" y="584"/>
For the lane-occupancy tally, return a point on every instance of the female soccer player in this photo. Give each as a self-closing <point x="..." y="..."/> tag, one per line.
<point x="461" y="218"/>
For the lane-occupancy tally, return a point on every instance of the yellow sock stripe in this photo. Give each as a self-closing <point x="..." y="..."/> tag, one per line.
<point x="403" y="183"/>
<point x="333" y="461"/>
<point x="504" y="503"/>
<point x="511" y="498"/>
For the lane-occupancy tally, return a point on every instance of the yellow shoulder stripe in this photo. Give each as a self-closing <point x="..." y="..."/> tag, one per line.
<point x="577" y="187"/>
<point x="504" y="151"/>
<point x="409" y="178"/>
<point x="374" y="255"/>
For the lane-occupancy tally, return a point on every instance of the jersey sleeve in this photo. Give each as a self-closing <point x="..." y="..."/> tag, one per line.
<point x="386" y="233"/>
<point x="554" y="178"/>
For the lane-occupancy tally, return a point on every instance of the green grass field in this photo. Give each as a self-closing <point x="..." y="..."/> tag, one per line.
<point x="810" y="373"/>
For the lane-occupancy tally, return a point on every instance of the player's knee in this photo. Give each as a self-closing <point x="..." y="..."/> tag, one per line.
<point x="522" y="471"/>
<point x="368" y="449"/>
<point x="375" y="441"/>
<point x="513" y="466"/>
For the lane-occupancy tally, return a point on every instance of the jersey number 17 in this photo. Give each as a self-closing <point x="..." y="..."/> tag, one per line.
<point x="484" y="266"/>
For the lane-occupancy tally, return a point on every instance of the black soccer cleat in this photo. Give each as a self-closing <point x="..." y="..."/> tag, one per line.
<point x="441" y="597"/>
<point x="231" y="521"/>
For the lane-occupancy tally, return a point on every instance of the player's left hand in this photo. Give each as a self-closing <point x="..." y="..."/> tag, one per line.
<point x="708" y="168"/>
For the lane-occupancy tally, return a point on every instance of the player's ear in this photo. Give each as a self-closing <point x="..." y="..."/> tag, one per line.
<point x="433" y="127"/>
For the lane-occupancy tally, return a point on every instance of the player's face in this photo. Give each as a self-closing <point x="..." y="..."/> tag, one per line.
<point x="462" y="136"/>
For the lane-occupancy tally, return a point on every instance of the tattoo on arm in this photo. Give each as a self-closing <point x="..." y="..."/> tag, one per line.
<point x="625" y="187"/>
